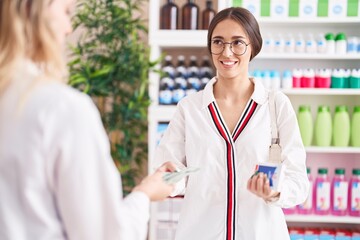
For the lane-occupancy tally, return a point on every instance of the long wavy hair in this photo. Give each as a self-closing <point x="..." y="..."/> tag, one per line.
<point x="25" y="33"/>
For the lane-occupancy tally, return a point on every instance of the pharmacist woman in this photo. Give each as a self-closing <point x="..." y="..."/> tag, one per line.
<point x="225" y="131"/>
<point x="57" y="178"/>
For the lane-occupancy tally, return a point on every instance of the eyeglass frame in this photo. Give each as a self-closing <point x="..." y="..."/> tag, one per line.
<point x="224" y="43"/>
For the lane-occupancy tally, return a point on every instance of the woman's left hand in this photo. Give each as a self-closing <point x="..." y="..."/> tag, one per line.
<point x="259" y="185"/>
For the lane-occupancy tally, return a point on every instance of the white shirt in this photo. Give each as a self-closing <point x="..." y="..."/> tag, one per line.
<point x="57" y="177"/>
<point x="217" y="204"/>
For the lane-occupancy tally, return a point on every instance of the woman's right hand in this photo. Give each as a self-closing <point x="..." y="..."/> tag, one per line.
<point x="154" y="186"/>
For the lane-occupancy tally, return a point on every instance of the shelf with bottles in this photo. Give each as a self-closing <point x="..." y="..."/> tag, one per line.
<point x="304" y="56"/>
<point x="183" y="76"/>
<point x="332" y="149"/>
<point x="332" y="198"/>
<point x="309" y="11"/>
<point x="186" y="14"/>
<point x="321" y="91"/>
<point x="179" y="38"/>
<point x="322" y="219"/>
<point x="349" y="21"/>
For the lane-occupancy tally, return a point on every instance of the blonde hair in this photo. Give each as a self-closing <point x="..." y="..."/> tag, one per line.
<point x="25" y="33"/>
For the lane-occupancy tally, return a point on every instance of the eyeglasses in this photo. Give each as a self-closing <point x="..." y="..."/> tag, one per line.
<point x="238" y="47"/>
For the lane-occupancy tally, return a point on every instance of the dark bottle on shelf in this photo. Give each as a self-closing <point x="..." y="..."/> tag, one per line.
<point x="190" y="89"/>
<point x="193" y="68"/>
<point x="208" y="14"/>
<point x="181" y="67"/>
<point x="180" y="80"/>
<point x="204" y="80"/>
<point x="190" y="15"/>
<point x="206" y="68"/>
<point x="169" y="18"/>
<point x="194" y="81"/>
<point x="168" y="67"/>
<point x="178" y="93"/>
<point x="165" y="95"/>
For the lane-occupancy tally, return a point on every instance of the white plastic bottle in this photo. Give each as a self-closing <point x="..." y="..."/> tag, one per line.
<point x="275" y="80"/>
<point x="279" y="44"/>
<point x="266" y="78"/>
<point x="289" y="44"/>
<point x="299" y="44"/>
<point x="340" y="43"/>
<point x="352" y="43"/>
<point x="287" y="81"/>
<point x="321" y="43"/>
<point x="330" y="43"/>
<point x="268" y="44"/>
<point x="257" y="74"/>
<point x="310" y="44"/>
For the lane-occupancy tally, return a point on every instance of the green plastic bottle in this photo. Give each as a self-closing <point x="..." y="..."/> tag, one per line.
<point x="305" y="124"/>
<point x="341" y="128"/>
<point x="355" y="127"/>
<point x="323" y="127"/>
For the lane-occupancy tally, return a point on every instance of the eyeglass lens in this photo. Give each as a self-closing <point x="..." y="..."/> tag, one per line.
<point x="237" y="47"/>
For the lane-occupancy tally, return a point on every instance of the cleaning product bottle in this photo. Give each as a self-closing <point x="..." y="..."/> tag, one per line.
<point x="323" y="127"/>
<point x="323" y="78"/>
<point x="354" y="193"/>
<point x="322" y="192"/>
<point x="338" y="78"/>
<point x="296" y="77"/>
<point x="307" y="206"/>
<point x="355" y="127"/>
<point x="340" y="43"/>
<point x="330" y="43"/>
<point x="341" y="128"/>
<point x="286" y="81"/>
<point x="354" y="81"/>
<point x="305" y="124"/>
<point x="339" y="193"/>
<point x="308" y="78"/>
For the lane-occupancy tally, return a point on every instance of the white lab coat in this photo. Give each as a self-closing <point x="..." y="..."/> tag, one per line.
<point x="57" y="177"/>
<point x="217" y="204"/>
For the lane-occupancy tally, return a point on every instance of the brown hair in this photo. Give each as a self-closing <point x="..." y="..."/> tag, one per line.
<point x="246" y="20"/>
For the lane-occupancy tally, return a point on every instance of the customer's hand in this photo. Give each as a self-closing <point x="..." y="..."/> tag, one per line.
<point x="259" y="185"/>
<point x="154" y="186"/>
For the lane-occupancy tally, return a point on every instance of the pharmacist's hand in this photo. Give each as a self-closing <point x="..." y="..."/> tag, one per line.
<point x="259" y="185"/>
<point x="168" y="167"/>
<point x="154" y="186"/>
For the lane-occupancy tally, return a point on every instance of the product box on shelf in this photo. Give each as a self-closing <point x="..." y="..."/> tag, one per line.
<point x="252" y="5"/>
<point x="301" y="8"/>
<point x="279" y="8"/>
<point x="308" y="8"/>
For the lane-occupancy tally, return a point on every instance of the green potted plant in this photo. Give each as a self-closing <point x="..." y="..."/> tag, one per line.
<point x="110" y="62"/>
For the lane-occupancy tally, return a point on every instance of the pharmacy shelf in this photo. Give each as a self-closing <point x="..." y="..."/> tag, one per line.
<point x="333" y="149"/>
<point x="162" y="113"/>
<point x="321" y="91"/>
<point x="322" y="219"/>
<point x="315" y="56"/>
<point x="178" y="38"/>
<point x="338" y="22"/>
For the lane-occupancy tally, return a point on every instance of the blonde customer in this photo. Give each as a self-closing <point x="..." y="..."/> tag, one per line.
<point x="57" y="178"/>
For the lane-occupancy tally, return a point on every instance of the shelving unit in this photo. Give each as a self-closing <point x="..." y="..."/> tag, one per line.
<point x="322" y="219"/>
<point x="163" y="40"/>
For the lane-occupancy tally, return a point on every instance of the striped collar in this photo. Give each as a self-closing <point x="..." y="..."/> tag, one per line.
<point x="259" y="95"/>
